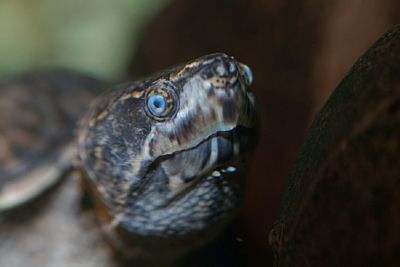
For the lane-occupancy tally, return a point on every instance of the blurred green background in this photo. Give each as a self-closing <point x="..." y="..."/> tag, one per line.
<point x="93" y="36"/>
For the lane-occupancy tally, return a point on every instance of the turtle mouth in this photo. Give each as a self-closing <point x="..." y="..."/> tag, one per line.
<point x="186" y="192"/>
<point x="219" y="156"/>
<point x="223" y="157"/>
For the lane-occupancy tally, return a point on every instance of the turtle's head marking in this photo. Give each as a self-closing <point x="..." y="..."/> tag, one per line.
<point x="165" y="153"/>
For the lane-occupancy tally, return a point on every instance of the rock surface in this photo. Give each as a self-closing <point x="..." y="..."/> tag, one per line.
<point x="342" y="206"/>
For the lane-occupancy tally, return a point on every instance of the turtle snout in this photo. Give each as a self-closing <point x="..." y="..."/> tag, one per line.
<point x="229" y="70"/>
<point x="225" y="68"/>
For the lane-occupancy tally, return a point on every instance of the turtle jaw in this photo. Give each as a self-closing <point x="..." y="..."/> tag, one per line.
<point x="190" y="191"/>
<point x="184" y="215"/>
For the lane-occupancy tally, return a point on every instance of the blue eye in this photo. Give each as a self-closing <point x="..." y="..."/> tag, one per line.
<point x="157" y="105"/>
<point x="161" y="101"/>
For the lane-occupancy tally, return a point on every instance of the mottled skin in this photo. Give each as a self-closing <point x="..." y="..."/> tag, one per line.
<point x="164" y="181"/>
<point x="171" y="182"/>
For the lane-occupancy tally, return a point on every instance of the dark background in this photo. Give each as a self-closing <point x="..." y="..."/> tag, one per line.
<point x="298" y="50"/>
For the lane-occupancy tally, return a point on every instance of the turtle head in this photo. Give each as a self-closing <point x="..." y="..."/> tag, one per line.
<point x="165" y="155"/>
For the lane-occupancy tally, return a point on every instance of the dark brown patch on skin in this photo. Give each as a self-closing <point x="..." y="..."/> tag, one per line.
<point x="100" y="209"/>
<point x="229" y="111"/>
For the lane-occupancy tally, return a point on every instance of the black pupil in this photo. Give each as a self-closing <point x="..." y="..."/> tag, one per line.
<point x="157" y="103"/>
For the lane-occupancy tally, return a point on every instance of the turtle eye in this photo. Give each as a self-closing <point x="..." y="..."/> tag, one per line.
<point x="161" y="102"/>
<point x="157" y="104"/>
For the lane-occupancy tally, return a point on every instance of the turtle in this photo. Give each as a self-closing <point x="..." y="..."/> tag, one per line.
<point x="149" y="169"/>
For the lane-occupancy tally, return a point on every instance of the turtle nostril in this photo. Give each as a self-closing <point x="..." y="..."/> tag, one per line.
<point x="220" y="69"/>
<point x="225" y="69"/>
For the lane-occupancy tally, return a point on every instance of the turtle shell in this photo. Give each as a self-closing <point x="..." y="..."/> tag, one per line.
<point x="38" y="117"/>
<point x="38" y="114"/>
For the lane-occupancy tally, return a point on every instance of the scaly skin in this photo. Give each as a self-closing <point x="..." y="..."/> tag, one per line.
<point x="169" y="180"/>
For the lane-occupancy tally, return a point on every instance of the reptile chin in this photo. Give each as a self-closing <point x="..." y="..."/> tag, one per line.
<point x="190" y="194"/>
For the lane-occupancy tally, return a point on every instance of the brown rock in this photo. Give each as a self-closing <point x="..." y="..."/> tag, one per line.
<point x="342" y="207"/>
